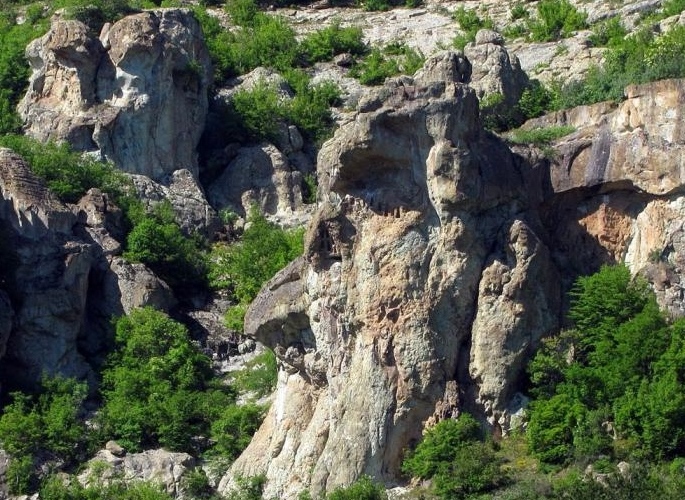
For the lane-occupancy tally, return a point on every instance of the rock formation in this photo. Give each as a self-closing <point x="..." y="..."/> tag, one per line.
<point x="157" y="466"/>
<point x="137" y="94"/>
<point x="438" y="259"/>
<point x="69" y="278"/>
<point x="423" y="255"/>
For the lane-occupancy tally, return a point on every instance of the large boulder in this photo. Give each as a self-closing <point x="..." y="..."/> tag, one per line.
<point x="137" y="94"/>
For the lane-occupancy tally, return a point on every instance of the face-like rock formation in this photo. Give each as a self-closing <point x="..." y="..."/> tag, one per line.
<point x="424" y="287"/>
<point x="138" y="94"/>
<point x="438" y="259"/>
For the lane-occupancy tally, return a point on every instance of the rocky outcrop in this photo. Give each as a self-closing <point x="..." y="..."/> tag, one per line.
<point x="495" y="71"/>
<point x="162" y="467"/>
<point x="137" y="94"/>
<point x="438" y="259"/>
<point x="69" y="277"/>
<point x="264" y="177"/>
<point x="182" y="190"/>
<point x="423" y="218"/>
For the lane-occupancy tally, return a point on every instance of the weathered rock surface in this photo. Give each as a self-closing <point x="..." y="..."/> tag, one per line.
<point x="158" y="466"/>
<point x="371" y="328"/>
<point x="138" y="94"/>
<point x="437" y="261"/>
<point x="187" y="198"/>
<point x="70" y="280"/>
<point x="264" y="177"/>
<point x="495" y="72"/>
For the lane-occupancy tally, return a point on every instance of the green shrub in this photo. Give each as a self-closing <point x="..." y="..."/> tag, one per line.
<point x="439" y="444"/>
<point x="245" y="266"/>
<point x="557" y="19"/>
<point x="158" y="388"/>
<point x="260" y="40"/>
<point x="608" y="33"/>
<point x="454" y="455"/>
<point x="234" y="429"/>
<point x="470" y="23"/>
<point x="248" y="488"/>
<point x="375" y="68"/>
<point x="259" y="111"/>
<point x="673" y="7"/>
<point x="539" y="136"/>
<point x="362" y="489"/>
<point x="324" y="44"/>
<point x="519" y="11"/>
<point x="14" y="68"/>
<point x="67" y="173"/>
<point x="48" y="422"/>
<point x="156" y="240"/>
<point x="258" y="376"/>
<point x="54" y="488"/>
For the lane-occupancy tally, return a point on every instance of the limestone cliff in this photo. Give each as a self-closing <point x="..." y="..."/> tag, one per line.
<point x="437" y="260"/>
<point x="137" y="94"/>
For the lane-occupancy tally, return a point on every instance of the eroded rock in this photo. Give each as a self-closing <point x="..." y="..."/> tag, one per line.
<point x="138" y="96"/>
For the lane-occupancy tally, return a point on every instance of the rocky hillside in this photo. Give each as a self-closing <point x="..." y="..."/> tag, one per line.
<point x="438" y="253"/>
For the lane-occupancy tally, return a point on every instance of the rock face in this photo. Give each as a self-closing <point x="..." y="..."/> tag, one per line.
<point x="422" y="212"/>
<point x="157" y="466"/>
<point x="138" y="94"/>
<point x="438" y="259"/>
<point x="69" y="278"/>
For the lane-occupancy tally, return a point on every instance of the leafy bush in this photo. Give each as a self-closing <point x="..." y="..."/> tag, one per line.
<point x="608" y="33"/>
<point x="258" y="376"/>
<point x="438" y="445"/>
<point x="54" y="488"/>
<point x="158" y="387"/>
<point x="67" y="173"/>
<point x="470" y="23"/>
<point x="245" y="266"/>
<point x="234" y="429"/>
<point x="621" y="364"/>
<point x="14" y="68"/>
<point x="48" y="422"/>
<point x="673" y="7"/>
<point x="324" y="44"/>
<point x="454" y="455"/>
<point x="362" y="489"/>
<point x="375" y="68"/>
<point x="156" y="240"/>
<point x="539" y="136"/>
<point x="519" y="11"/>
<point x="259" y="40"/>
<point x="557" y="19"/>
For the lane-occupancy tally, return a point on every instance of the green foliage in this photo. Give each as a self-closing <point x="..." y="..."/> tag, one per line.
<point x="48" y="422"/>
<point x="14" y="68"/>
<point x="557" y="19"/>
<point x="324" y="44"/>
<point x="259" y="40"/>
<point x="259" y="375"/>
<point x="233" y="430"/>
<point x="519" y="11"/>
<point x="248" y="488"/>
<point x="156" y="240"/>
<point x="245" y="266"/>
<point x="470" y="23"/>
<point x="621" y="364"/>
<point x="157" y="388"/>
<point x="375" y="68"/>
<point x="454" y="455"/>
<point x="54" y="488"/>
<point x="362" y="489"/>
<point x="608" y="33"/>
<point x="673" y="7"/>
<point x="196" y="485"/>
<point x="67" y="173"/>
<point x="438" y="445"/>
<point x="539" y="136"/>
<point x="259" y="110"/>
